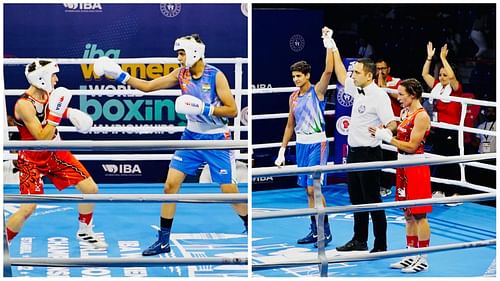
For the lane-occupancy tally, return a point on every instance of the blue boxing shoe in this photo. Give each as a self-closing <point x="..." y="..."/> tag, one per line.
<point x="162" y="245"/>
<point x="311" y="237"/>
<point x="328" y="235"/>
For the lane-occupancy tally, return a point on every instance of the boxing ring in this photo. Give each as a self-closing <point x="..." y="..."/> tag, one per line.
<point x="461" y="244"/>
<point x="201" y="247"/>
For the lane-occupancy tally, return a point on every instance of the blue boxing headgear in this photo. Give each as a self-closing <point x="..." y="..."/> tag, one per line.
<point x="41" y="77"/>
<point x="194" y="50"/>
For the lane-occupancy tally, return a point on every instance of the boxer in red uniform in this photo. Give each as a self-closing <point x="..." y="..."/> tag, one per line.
<point x="411" y="182"/>
<point x="37" y="114"/>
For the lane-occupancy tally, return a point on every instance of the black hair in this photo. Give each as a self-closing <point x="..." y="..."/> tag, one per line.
<point x="368" y="66"/>
<point x="413" y="87"/>
<point x="301" y="66"/>
<point x="379" y="60"/>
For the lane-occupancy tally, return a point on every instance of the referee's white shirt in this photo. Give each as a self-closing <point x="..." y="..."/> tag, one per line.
<point x="369" y="110"/>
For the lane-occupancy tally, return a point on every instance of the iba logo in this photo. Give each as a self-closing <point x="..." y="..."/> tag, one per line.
<point x="83" y="7"/>
<point x="122" y="169"/>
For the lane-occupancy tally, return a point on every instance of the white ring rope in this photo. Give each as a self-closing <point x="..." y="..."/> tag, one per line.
<point x="123" y="262"/>
<point x="118" y="92"/>
<point x="351" y="257"/>
<point x="131" y="129"/>
<point x="123" y="145"/>
<point x="283" y="90"/>
<point x="366" y="166"/>
<point x="427" y="154"/>
<point x="121" y="198"/>
<point x="259" y="215"/>
<point x="282" y="115"/>
<point x="278" y="144"/>
<point x="145" y="60"/>
<point x="121" y="157"/>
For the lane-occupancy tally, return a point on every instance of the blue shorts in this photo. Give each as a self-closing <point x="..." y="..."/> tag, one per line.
<point x="310" y="155"/>
<point x="220" y="162"/>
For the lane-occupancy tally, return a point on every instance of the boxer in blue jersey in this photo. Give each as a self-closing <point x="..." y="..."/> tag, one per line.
<point x="306" y="119"/>
<point x="207" y="102"/>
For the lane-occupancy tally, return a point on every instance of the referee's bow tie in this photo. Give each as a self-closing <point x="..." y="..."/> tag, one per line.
<point x="361" y="91"/>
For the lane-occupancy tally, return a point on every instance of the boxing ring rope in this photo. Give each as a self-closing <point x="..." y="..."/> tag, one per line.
<point x="352" y="257"/>
<point x="367" y="166"/>
<point x="124" y="262"/>
<point x="120" y="157"/>
<point x="130" y="129"/>
<point x="123" y="145"/>
<point x="124" y="198"/>
<point x="260" y="215"/>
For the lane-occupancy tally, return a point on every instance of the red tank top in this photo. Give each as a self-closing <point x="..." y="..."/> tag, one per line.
<point x="405" y="128"/>
<point x="41" y="113"/>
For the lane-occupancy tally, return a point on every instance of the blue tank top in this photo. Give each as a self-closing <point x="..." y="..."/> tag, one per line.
<point x="203" y="88"/>
<point x="308" y="112"/>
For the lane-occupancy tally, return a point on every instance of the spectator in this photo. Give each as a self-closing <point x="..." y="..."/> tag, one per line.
<point x="444" y="141"/>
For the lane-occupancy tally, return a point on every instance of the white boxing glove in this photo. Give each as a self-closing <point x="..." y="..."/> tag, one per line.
<point x="383" y="134"/>
<point x="81" y="120"/>
<point x="105" y="66"/>
<point x="280" y="160"/>
<point x="328" y="41"/>
<point x="58" y="103"/>
<point x="191" y="105"/>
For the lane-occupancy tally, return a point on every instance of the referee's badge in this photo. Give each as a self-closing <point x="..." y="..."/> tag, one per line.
<point x="361" y="109"/>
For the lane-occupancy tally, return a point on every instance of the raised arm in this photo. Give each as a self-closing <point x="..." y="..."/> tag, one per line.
<point x="428" y="78"/>
<point x="322" y="85"/>
<point x="454" y="83"/>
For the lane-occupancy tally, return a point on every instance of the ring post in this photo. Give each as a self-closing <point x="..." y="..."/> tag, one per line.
<point x="320" y="217"/>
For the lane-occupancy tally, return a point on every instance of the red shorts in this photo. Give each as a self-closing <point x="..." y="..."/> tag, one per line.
<point x="61" y="167"/>
<point x="414" y="183"/>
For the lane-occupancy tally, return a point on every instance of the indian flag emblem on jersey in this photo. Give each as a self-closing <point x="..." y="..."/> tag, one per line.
<point x="205" y="87"/>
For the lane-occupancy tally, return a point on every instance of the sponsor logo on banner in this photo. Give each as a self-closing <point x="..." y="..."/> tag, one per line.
<point x="297" y="43"/>
<point x="262" y="86"/>
<point x="342" y="125"/>
<point x="170" y="10"/>
<point x="262" y="179"/>
<point x="114" y="170"/>
<point x="127" y="107"/>
<point x="344" y="98"/>
<point x="82" y="8"/>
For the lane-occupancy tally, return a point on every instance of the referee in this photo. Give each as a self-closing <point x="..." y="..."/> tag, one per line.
<point x="371" y="108"/>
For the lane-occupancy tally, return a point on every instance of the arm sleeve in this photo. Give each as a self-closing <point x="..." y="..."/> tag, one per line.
<point x="384" y="109"/>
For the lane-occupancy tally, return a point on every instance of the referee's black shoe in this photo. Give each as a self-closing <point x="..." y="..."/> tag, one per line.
<point x="376" y="250"/>
<point x="353" y="245"/>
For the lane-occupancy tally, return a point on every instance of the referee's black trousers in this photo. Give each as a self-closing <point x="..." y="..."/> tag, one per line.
<point x="363" y="189"/>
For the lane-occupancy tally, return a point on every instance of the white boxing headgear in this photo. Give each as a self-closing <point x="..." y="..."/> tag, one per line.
<point x="41" y="77"/>
<point x="194" y="50"/>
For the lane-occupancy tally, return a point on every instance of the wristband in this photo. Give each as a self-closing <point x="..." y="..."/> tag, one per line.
<point x="208" y="110"/>
<point x="123" y="77"/>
